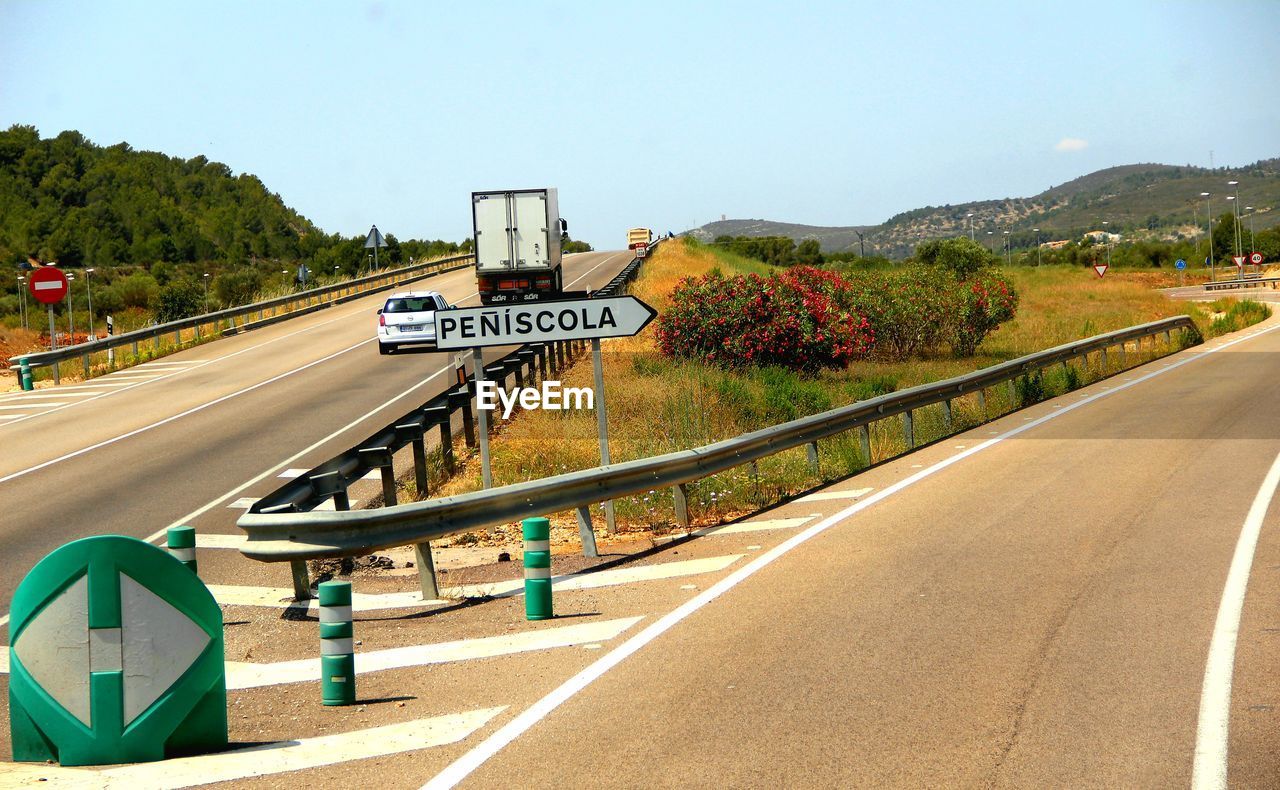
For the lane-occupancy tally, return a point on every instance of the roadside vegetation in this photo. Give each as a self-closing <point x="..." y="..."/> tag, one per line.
<point x="660" y="402"/>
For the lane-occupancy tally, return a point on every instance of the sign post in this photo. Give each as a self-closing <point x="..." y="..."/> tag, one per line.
<point x="1182" y="266"/>
<point x="49" y="285"/>
<point x="375" y="241"/>
<point x="543" y="322"/>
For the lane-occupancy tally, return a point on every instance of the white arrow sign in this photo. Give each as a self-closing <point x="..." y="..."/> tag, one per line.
<point x="536" y="322"/>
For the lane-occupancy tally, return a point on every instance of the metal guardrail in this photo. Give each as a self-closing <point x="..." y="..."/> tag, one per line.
<point x="313" y="299"/>
<point x="1252" y="282"/>
<point x="331" y="479"/>
<point x="275" y="537"/>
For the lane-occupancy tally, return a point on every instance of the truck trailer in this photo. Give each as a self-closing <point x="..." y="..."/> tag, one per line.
<point x="638" y="236"/>
<point x="517" y="238"/>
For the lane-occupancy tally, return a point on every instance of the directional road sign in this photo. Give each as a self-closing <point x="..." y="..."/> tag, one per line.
<point x="536" y="322"/>
<point x="116" y="657"/>
<point x="48" y="284"/>
<point x="1238" y="260"/>
<point x="1100" y="268"/>
<point x="1181" y="264"/>
<point x="374" y="239"/>
<point x="1256" y="259"/>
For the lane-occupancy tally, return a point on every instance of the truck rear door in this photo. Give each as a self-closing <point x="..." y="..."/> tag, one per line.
<point x="529" y="237"/>
<point x="493" y="241"/>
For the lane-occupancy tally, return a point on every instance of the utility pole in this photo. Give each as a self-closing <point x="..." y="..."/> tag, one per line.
<point x="1208" y="215"/>
<point x="861" y="245"/>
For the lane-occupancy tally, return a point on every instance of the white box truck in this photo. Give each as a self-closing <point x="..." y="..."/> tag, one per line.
<point x="517" y="237"/>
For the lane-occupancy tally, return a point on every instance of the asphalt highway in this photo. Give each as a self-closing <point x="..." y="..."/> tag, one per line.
<point x="151" y="453"/>
<point x="1034" y="610"/>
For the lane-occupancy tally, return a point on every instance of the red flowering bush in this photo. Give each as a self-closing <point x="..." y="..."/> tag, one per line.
<point x="983" y="302"/>
<point x="793" y="320"/>
<point x="908" y="309"/>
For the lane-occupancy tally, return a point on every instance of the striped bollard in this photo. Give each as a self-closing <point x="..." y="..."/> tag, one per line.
<point x="24" y="376"/>
<point x="537" y="568"/>
<point x="181" y="542"/>
<point x="337" y="648"/>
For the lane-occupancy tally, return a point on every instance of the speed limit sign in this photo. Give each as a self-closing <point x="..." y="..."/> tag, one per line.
<point x="1256" y="259"/>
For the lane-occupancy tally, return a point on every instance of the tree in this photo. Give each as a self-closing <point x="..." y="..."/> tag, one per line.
<point x="178" y="299"/>
<point x="809" y="253"/>
<point x="961" y="256"/>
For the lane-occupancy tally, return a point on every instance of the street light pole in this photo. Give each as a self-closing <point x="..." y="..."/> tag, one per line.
<point x="22" y="299"/>
<point x="71" y="312"/>
<point x="89" y="290"/>
<point x="991" y="243"/>
<point x="1008" y="251"/>
<point x="1236" y="184"/>
<point x="1208" y="220"/>
<point x="970" y="217"/>
<point x="1253" y="243"/>
<point x="1038" y="260"/>
<point x="204" y="278"/>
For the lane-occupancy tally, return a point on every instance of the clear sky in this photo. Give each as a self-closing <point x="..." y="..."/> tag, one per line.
<point x="661" y="114"/>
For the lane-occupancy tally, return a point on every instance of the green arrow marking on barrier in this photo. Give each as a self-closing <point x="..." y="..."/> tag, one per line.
<point x="116" y="657"/>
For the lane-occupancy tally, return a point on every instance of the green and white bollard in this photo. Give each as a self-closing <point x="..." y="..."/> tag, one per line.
<point x="537" y="568"/>
<point x="24" y="376"/>
<point x="337" y="646"/>
<point x="181" y="542"/>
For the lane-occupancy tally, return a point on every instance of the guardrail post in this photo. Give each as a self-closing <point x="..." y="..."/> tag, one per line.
<point x="155" y="342"/>
<point x="135" y="349"/>
<point x="86" y="366"/>
<point x="909" y="429"/>
<point x="301" y="580"/>
<point x="332" y="484"/>
<point x="1013" y="393"/>
<point x="57" y="373"/>
<point x="411" y="433"/>
<point x="1102" y="358"/>
<point x="426" y="571"/>
<point x="462" y="399"/>
<point x="1168" y="337"/>
<point x="681" y="496"/>
<point x="812" y="450"/>
<point x="982" y="402"/>
<point x="541" y="351"/>
<point x="177" y="338"/>
<point x="586" y="531"/>
<point x="946" y="415"/>
<point x="197" y="333"/>
<point x="381" y="458"/>
<point x="1123" y="357"/>
<point x="181" y="543"/>
<point x="337" y="645"/>
<point x="537" y="568"/>
<point x="519" y="371"/>
<point x="864" y="439"/>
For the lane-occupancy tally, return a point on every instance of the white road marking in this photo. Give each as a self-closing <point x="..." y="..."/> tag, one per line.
<point x="462" y="767"/>
<point x="609" y="578"/>
<point x="247" y="676"/>
<point x="232" y="595"/>
<point x="219" y="541"/>
<point x="850" y="493"/>
<point x="35" y="404"/>
<point x="11" y="416"/>
<point x="1209" y="769"/>
<point x="290" y="474"/>
<point x="752" y="526"/>
<point x="243" y="503"/>
<point x="268" y="759"/>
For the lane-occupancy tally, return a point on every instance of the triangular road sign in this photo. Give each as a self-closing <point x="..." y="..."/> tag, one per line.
<point x="374" y="239"/>
<point x="1239" y="260"/>
<point x="1100" y="268"/>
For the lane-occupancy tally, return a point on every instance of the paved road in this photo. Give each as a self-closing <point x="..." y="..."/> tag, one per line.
<point x="180" y="440"/>
<point x="1038" y="614"/>
<point x="1199" y="294"/>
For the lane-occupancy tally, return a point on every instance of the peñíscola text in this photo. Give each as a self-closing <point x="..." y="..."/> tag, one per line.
<point x="550" y="396"/>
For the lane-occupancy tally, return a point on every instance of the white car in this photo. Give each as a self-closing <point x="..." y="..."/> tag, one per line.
<point x="409" y="319"/>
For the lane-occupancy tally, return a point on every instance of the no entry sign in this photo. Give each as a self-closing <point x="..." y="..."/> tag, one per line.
<point x="48" y="284"/>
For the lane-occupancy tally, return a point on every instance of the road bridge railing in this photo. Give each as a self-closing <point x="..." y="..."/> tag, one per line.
<point x="300" y="536"/>
<point x="1253" y="281"/>
<point x="235" y="319"/>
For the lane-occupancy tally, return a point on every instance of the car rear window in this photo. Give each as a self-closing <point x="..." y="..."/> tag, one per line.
<point x="409" y="305"/>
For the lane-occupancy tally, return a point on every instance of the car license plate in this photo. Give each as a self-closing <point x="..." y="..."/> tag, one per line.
<point x="411" y="327"/>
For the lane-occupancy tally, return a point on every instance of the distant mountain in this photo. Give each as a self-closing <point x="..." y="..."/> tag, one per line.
<point x="1138" y="201"/>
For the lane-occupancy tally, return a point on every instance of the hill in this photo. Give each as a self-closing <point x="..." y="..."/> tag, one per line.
<point x="67" y="199"/>
<point x="1139" y="201"/>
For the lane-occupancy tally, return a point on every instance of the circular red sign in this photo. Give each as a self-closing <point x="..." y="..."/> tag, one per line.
<point x="1256" y="258"/>
<point x="48" y="284"/>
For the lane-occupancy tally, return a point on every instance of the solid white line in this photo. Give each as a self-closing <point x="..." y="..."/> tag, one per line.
<point x="1209" y="770"/>
<point x="180" y="415"/>
<point x="462" y="767"/>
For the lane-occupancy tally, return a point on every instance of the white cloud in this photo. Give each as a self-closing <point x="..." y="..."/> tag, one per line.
<point x="1071" y="144"/>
